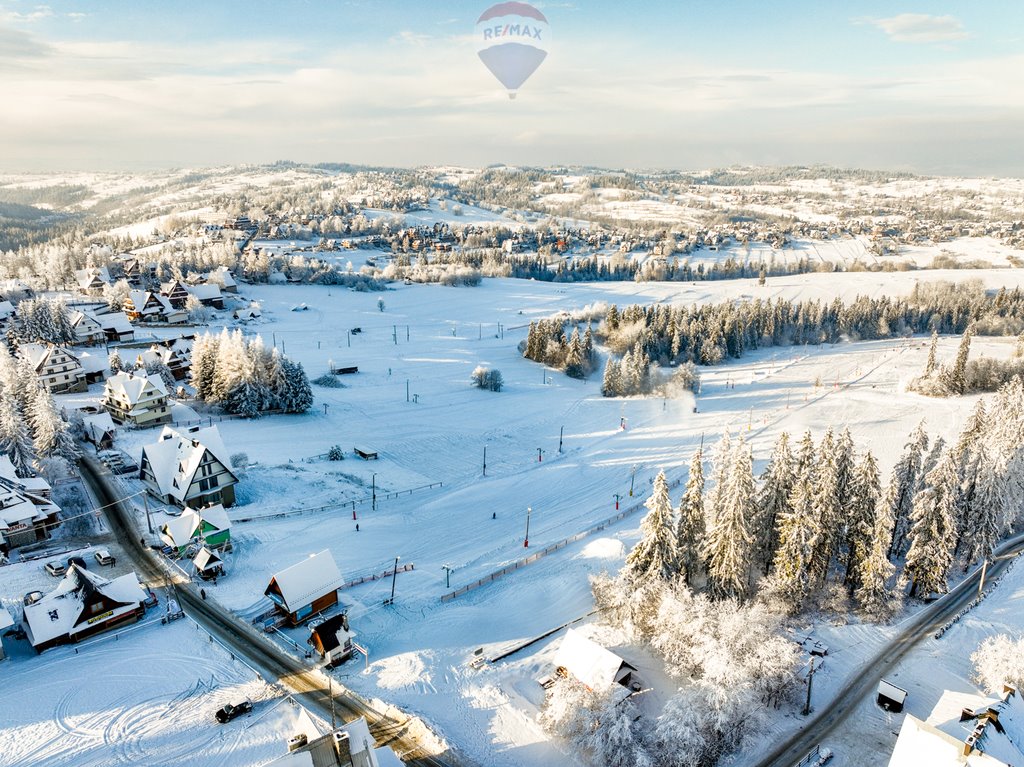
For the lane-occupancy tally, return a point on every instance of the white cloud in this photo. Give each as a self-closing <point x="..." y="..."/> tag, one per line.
<point x="920" y="28"/>
<point x="17" y="17"/>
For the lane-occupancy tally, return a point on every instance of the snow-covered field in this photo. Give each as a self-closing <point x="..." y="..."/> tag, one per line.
<point x="146" y="696"/>
<point x="426" y="342"/>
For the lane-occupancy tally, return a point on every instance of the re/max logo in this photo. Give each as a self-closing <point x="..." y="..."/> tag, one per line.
<point x="512" y="30"/>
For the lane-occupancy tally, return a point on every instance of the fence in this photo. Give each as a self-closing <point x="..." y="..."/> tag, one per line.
<point x="815" y="757"/>
<point x="993" y="585"/>
<point x="378" y="576"/>
<point x="345" y="505"/>
<point x="544" y="552"/>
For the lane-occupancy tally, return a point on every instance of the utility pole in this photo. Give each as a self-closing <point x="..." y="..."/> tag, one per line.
<point x="149" y="520"/>
<point x="325" y="408"/>
<point x="632" y="481"/>
<point x="981" y="583"/>
<point x="485" y="460"/>
<point x="561" y="432"/>
<point x="617" y="499"/>
<point x="349" y="332"/>
<point x="447" y="576"/>
<point x="406" y="389"/>
<point x="373" y="505"/>
<point x="526" y="540"/>
<point x="810" y="679"/>
<point x="406" y="332"/>
<point x="540" y="454"/>
<point x="394" y="577"/>
<point x="394" y="334"/>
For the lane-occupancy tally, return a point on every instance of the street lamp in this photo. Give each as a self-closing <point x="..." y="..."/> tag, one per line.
<point x="447" y="576"/>
<point x="373" y="502"/>
<point x="631" y="481"/>
<point x="526" y="540"/>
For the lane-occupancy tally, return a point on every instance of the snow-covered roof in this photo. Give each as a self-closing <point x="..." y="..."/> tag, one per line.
<point x="313" y="577"/>
<point x="84" y="319"/>
<point x="23" y="501"/>
<point x="593" y="665"/>
<point x="59" y="612"/>
<point x="6" y="621"/>
<point x="891" y="691"/>
<point x="116" y="321"/>
<point x="88" y="277"/>
<point x="92" y="363"/>
<point x="176" y="456"/>
<point x="131" y="386"/>
<point x="941" y="740"/>
<point x="205" y="292"/>
<point x="39" y="354"/>
<point x="6" y="310"/>
<point x="98" y="425"/>
<point x="225" y="276"/>
<point x="9" y="476"/>
<point x="180" y="530"/>
<point x="206" y="559"/>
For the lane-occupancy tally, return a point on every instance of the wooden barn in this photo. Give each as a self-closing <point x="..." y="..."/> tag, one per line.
<point x="307" y="588"/>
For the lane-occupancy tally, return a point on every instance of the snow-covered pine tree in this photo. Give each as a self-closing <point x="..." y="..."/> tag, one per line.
<point x="874" y="597"/>
<point x="929" y="367"/>
<point x="656" y="555"/>
<point x="204" y="364"/>
<point x="933" y="531"/>
<point x="588" y="350"/>
<point x="50" y="433"/>
<point x="827" y="507"/>
<point x="611" y="385"/>
<point x="629" y="383"/>
<point x="799" y="532"/>
<point x="955" y="378"/>
<point x="613" y="738"/>
<point x="865" y="493"/>
<point x="982" y="523"/>
<point x="114" y="362"/>
<point x="230" y="365"/>
<point x="727" y="548"/>
<point x="806" y="457"/>
<point x="721" y="466"/>
<point x="899" y="496"/>
<point x="773" y="500"/>
<point x="297" y="396"/>
<point x="574" y="361"/>
<point x="15" y="440"/>
<point x="690" y="524"/>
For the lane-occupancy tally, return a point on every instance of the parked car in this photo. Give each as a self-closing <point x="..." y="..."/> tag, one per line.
<point x="150" y="600"/>
<point x="103" y="557"/>
<point x="55" y="568"/>
<point x="233" y="710"/>
<point x="31" y="598"/>
<point x="77" y="561"/>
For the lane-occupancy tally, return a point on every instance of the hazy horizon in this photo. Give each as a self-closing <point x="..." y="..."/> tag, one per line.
<point x="930" y="88"/>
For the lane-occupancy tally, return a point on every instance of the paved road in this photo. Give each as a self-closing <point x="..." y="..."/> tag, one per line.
<point x="309" y="686"/>
<point x="831" y="715"/>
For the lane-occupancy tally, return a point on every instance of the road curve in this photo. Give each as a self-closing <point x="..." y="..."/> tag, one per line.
<point x="833" y="713"/>
<point x="307" y="685"/>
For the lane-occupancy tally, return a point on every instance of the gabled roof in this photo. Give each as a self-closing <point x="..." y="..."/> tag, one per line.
<point x="206" y="291"/>
<point x="98" y="425"/>
<point x="133" y="387"/>
<point x="89" y="277"/>
<point x="332" y="631"/>
<point x="92" y="363"/>
<point x="205" y="559"/>
<point x="39" y="354"/>
<point x="590" y="663"/>
<point x="311" y="578"/>
<point x="59" y="612"/>
<point x="6" y="621"/>
<point x="174" y="458"/>
<point x="180" y="530"/>
<point x="85" y="320"/>
<point x="116" y="321"/>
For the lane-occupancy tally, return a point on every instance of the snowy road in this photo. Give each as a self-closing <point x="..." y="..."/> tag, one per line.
<point x="830" y="717"/>
<point x="311" y="687"/>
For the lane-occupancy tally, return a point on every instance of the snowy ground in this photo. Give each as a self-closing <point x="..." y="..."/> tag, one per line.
<point x="146" y="696"/>
<point x="432" y="337"/>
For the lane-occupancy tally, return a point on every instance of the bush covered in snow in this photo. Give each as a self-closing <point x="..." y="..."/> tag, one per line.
<point x="485" y="378"/>
<point x="328" y="381"/>
<point x="999" y="660"/>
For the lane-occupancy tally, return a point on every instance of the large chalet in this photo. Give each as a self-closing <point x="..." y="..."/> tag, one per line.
<point x="26" y="512"/>
<point x="140" y="400"/>
<point x="188" y="469"/>
<point x="58" y="369"/>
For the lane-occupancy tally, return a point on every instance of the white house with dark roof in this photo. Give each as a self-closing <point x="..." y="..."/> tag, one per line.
<point x="145" y="306"/>
<point x="594" y="666"/>
<point x="58" y="369"/>
<point x="92" y="280"/>
<point x="188" y="468"/>
<point x="306" y="588"/>
<point x="117" y="327"/>
<point x="83" y="604"/>
<point x="137" y="399"/>
<point x="209" y="526"/>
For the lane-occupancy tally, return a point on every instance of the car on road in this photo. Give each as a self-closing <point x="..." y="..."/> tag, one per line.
<point x="56" y="568"/>
<point x="103" y="557"/>
<point x="233" y="710"/>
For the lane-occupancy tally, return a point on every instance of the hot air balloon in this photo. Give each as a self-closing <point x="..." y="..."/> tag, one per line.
<point x="512" y="42"/>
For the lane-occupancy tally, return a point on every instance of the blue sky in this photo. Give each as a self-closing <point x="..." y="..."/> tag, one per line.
<point x="933" y="87"/>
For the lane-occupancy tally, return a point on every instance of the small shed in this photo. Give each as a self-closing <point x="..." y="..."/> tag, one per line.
<point x="891" y="697"/>
<point x="208" y="564"/>
<point x="307" y="588"/>
<point x="332" y="639"/>
<point x="593" y="665"/>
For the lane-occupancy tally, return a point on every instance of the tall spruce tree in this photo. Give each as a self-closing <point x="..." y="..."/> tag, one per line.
<point x="773" y="500"/>
<point x="862" y="508"/>
<point x="690" y="524"/>
<point x="728" y="546"/>
<point x="933" y="532"/>
<point x="799" y="532"/>
<point x="873" y="595"/>
<point x="827" y="506"/>
<point x="899" y="496"/>
<point x="655" y="556"/>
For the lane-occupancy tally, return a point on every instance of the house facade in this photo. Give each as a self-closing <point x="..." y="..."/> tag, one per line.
<point x="306" y="589"/>
<point x="208" y="527"/>
<point x="188" y="468"/>
<point x="58" y="369"/>
<point x="145" y="306"/>
<point x="27" y="514"/>
<point x="88" y="330"/>
<point x="140" y="400"/>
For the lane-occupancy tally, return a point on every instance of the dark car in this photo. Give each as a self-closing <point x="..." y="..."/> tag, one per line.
<point x="233" y="710"/>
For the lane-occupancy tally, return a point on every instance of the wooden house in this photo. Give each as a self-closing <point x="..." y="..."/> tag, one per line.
<point x="82" y="605"/>
<point x="175" y="292"/>
<point x="99" y="430"/>
<point x="332" y="639"/>
<point x="188" y="468"/>
<point x="59" y="370"/>
<point x="116" y="327"/>
<point x="307" y="588"/>
<point x="27" y="514"/>
<point x="144" y="306"/>
<point x="209" y="527"/>
<point x="137" y="399"/>
<point x="88" y="330"/>
<point x="92" y="281"/>
<point x="597" y="668"/>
